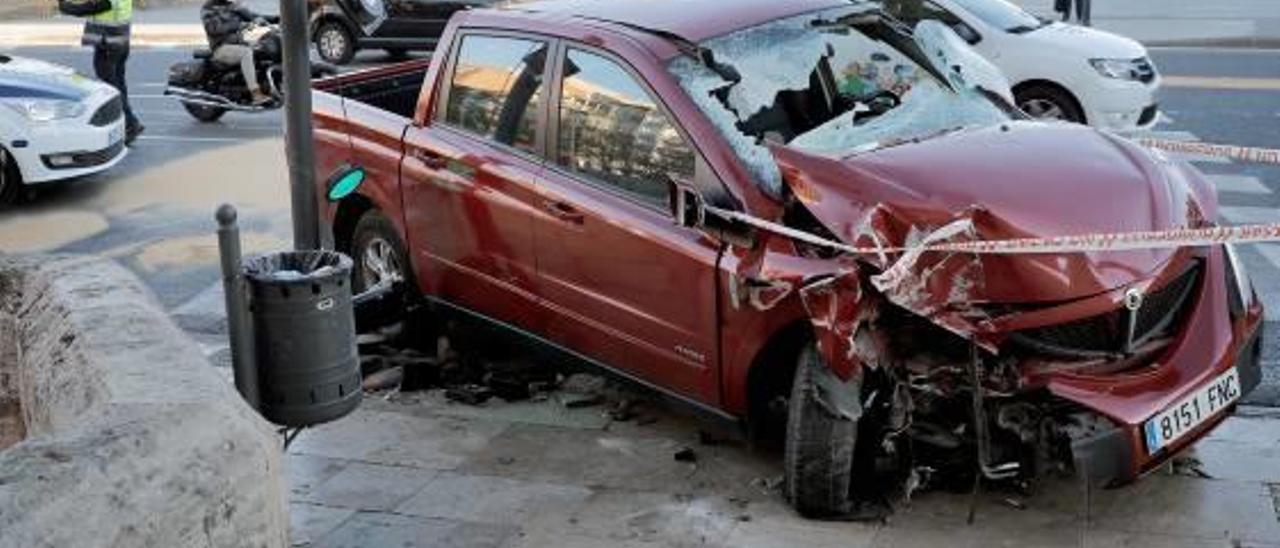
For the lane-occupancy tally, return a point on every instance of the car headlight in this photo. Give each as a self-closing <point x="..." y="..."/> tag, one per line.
<point x="44" y="110"/>
<point x="1121" y="69"/>
<point x="1239" y="287"/>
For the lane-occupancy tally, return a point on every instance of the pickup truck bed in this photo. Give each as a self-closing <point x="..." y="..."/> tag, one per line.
<point x="393" y="89"/>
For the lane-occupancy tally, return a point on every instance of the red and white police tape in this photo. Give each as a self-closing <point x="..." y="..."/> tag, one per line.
<point x="1117" y="241"/>
<point x="1102" y="241"/>
<point x="1234" y="152"/>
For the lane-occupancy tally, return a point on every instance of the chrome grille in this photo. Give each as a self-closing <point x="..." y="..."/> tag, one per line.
<point x="108" y="113"/>
<point x="1108" y="335"/>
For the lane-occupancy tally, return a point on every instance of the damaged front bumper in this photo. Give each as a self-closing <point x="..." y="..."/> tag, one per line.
<point x="1115" y="448"/>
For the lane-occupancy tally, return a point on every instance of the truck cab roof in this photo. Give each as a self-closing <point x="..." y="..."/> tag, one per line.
<point x="695" y="20"/>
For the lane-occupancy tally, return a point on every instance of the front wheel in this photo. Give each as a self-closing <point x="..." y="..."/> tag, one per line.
<point x="334" y="43"/>
<point x="10" y="179"/>
<point x="1046" y="102"/>
<point x="204" y="113"/>
<point x="820" y="443"/>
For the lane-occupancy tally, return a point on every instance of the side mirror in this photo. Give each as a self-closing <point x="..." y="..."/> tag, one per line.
<point x="685" y="204"/>
<point x="369" y="14"/>
<point x="966" y="33"/>
<point x="690" y="210"/>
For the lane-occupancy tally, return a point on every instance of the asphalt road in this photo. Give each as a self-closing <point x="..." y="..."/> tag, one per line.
<point x="1230" y="116"/>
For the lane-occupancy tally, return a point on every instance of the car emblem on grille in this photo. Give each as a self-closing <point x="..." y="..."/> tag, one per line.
<point x="1132" y="302"/>
<point x="1133" y="299"/>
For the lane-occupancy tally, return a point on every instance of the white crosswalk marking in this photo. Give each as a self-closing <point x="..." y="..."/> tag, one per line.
<point x="1239" y="215"/>
<point x="1243" y="184"/>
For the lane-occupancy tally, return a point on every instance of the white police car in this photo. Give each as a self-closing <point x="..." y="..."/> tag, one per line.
<point x="1058" y="71"/>
<point x="54" y="125"/>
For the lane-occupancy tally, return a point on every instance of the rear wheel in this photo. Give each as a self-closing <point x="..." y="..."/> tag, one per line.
<point x="334" y="43"/>
<point x="204" y="113"/>
<point x="378" y="253"/>
<point x="1046" y="102"/>
<point x="10" y="179"/>
<point x="820" y="444"/>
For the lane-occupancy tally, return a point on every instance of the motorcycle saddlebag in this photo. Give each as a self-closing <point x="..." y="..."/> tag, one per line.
<point x="186" y="73"/>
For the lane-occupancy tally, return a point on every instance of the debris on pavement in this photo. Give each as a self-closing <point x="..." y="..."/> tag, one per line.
<point x="576" y="401"/>
<point x="686" y="454"/>
<point x="1189" y="466"/>
<point x="384" y="379"/>
<point x="583" y="383"/>
<point x="470" y="394"/>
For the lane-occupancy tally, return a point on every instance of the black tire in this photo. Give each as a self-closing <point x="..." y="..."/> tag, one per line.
<point x="820" y="444"/>
<point x="1048" y="102"/>
<point x="374" y="230"/>
<point x="204" y="113"/>
<point x="10" y="179"/>
<point x="334" y="43"/>
<point x="397" y="54"/>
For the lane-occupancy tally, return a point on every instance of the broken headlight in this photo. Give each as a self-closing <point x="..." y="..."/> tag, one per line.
<point x="1239" y="288"/>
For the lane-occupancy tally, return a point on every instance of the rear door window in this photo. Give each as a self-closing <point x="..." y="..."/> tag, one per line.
<point x="496" y="89"/>
<point x="613" y="132"/>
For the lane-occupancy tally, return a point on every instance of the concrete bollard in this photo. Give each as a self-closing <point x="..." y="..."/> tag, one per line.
<point x="239" y="330"/>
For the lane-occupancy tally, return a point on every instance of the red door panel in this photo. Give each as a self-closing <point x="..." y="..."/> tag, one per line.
<point x="627" y="287"/>
<point x="469" y="209"/>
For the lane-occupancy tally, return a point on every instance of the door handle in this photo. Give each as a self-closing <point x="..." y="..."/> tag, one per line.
<point x="563" y="211"/>
<point x="431" y="159"/>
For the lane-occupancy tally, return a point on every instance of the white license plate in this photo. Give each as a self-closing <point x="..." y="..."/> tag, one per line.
<point x="116" y="134"/>
<point x="1178" y="419"/>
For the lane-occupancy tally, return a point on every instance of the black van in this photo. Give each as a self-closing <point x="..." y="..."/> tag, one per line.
<point x="340" y="28"/>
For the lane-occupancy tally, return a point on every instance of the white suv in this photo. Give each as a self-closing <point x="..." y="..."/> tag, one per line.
<point x="1057" y="70"/>
<point x="54" y="125"/>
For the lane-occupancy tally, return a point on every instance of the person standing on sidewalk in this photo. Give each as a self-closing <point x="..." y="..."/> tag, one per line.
<point x="108" y="33"/>
<point x="1063" y="7"/>
<point x="1084" y="12"/>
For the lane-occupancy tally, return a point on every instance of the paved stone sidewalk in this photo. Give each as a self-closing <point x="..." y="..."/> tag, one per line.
<point x="419" y="471"/>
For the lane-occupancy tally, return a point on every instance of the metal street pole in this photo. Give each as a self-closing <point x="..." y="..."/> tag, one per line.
<point x="299" y="149"/>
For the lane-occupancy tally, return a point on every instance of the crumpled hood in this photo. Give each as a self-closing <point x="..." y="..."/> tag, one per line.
<point x="1015" y="180"/>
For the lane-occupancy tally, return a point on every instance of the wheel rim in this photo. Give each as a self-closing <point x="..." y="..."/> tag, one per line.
<point x="332" y="44"/>
<point x="1043" y="109"/>
<point x="379" y="264"/>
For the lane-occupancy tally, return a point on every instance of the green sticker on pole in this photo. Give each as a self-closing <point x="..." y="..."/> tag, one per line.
<point x="345" y="182"/>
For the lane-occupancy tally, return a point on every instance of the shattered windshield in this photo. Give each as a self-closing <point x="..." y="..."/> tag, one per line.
<point x="831" y="82"/>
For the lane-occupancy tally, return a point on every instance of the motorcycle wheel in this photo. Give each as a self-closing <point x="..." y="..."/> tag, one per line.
<point x="204" y="113"/>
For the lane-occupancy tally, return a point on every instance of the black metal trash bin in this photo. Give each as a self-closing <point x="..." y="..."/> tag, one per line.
<point x="304" y="336"/>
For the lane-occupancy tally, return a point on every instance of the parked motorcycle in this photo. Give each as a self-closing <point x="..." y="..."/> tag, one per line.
<point x="208" y="89"/>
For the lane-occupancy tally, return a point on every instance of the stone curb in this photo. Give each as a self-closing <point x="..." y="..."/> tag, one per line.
<point x="132" y="438"/>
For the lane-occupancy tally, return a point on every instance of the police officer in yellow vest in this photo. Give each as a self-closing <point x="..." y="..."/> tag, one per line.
<point x="108" y="33"/>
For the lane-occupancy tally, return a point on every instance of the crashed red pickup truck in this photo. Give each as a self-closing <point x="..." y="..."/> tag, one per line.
<point x="670" y="190"/>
